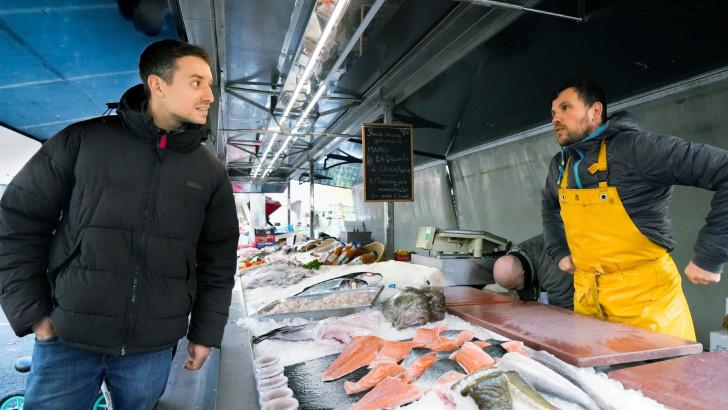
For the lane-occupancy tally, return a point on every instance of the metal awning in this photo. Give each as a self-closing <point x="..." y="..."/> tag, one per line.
<point x="463" y="73"/>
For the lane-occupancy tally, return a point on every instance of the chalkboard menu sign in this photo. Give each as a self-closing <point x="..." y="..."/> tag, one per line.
<point x="387" y="162"/>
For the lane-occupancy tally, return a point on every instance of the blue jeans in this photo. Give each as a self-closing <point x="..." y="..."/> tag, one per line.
<point x="63" y="377"/>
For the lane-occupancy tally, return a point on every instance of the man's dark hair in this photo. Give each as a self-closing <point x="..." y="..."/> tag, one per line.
<point x="159" y="58"/>
<point x="587" y="91"/>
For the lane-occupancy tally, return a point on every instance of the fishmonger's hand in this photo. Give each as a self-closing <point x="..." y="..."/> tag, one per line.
<point x="567" y="265"/>
<point x="700" y="276"/>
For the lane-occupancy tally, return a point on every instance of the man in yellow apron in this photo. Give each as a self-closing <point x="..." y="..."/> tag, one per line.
<point x="605" y="213"/>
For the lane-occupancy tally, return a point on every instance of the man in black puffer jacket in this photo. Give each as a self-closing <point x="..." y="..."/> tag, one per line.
<point x="118" y="238"/>
<point x="605" y="213"/>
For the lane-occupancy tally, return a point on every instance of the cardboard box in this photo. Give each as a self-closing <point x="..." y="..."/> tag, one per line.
<point x="718" y="340"/>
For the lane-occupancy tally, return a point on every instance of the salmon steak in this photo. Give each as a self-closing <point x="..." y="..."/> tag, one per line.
<point x="390" y="392"/>
<point x="472" y="358"/>
<point x="424" y="336"/>
<point x="515" y="346"/>
<point x="448" y="378"/>
<point x="374" y="376"/>
<point x="392" y="352"/>
<point x="444" y="344"/>
<point x="481" y="344"/>
<point x="419" y="366"/>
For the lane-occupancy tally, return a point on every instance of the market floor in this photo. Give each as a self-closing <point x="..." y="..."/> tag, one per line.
<point x="11" y="348"/>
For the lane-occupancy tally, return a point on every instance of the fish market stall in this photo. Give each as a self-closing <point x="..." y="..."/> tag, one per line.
<point x="385" y="335"/>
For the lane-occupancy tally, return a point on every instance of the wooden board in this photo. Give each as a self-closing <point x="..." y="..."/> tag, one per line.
<point x="580" y="340"/>
<point x="465" y="295"/>
<point x="692" y="382"/>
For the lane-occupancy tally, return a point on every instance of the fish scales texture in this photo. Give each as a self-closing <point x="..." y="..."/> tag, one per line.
<point x="436" y="304"/>
<point x="289" y="333"/>
<point x="495" y="351"/>
<point x="490" y="388"/>
<point x="522" y="392"/>
<point x="358" y="354"/>
<point x="372" y="378"/>
<point x="573" y="375"/>
<point x="472" y="358"/>
<point x="390" y="392"/>
<point x="482" y="344"/>
<point x="429" y="378"/>
<point x="492" y="393"/>
<point x="545" y="380"/>
<point x="464" y="385"/>
<point x="392" y="352"/>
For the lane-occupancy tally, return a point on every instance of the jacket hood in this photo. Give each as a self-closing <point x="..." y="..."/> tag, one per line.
<point x="133" y="112"/>
<point x="622" y="121"/>
<point x="617" y="123"/>
<point x="528" y="266"/>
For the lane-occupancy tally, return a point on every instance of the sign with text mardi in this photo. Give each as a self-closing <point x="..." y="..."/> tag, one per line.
<point x="387" y="160"/>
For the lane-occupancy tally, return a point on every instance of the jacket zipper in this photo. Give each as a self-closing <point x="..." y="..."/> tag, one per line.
<point x="148" y="202"/>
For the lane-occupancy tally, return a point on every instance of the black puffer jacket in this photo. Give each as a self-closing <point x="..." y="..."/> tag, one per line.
<point x="144" y="235"/>
<point x="543" y="274"/>
<point x="643" y="167"/>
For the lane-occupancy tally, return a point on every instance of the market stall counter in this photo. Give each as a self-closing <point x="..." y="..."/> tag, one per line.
<point x="576" y="339"/>
<point x="687" y="383"/>
<point x="466" y="295"/>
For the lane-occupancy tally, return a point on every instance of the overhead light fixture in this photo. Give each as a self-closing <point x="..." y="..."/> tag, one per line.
<point x="313" y="61"/>
<point x="265" y="154"/>
<point x="292" y="139"/>
<point x="316" y="55"/>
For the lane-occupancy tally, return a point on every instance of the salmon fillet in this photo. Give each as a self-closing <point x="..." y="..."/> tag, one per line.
<point x="515" y="346"/>
<point x="472" y="358"/>
<point x="441" y="388"/>
<point x="359" y="353"/>
<point x="481" y="343"/>
<point x="424" y="335"/>
<point x="419" y="366"/>
<point x="390" y="392"/>
<point x="372" y="378"/>
<point x="448" y="378"/>
<point x="392" y="352"/>
<point x="444" y="344"/>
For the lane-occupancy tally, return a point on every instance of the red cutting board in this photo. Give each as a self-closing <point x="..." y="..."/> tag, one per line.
<point x="465" y="295"/>
<point x="693" y="382"/>
<point x="580" y="340"/>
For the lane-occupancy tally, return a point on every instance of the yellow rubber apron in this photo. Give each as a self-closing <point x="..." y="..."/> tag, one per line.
<point x="621" y="275"/>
